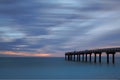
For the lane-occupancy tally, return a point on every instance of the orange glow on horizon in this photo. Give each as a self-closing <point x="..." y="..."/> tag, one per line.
<point x="25" y="54"/>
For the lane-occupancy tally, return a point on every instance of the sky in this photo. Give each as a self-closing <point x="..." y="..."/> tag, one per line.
<point x="53" y="27"/>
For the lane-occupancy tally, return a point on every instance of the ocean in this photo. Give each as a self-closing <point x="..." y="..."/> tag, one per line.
<point x="56" y="68"/>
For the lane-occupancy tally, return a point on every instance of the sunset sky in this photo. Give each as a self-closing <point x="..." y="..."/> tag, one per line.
<point x="52" y="27"/>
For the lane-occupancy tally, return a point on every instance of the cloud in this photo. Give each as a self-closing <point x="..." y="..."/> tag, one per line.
<point x="57" y="26"/>
<point x="10" y="34"/>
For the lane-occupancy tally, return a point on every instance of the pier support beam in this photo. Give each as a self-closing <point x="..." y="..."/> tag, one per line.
<point x="99" y="57"/>
<point x="83" y="57"/>
<point x="113" y="58"/>
<point x="79" y="57"/>
<point x="90" y="57"/>
<point x="74" y="57"/>
<point x="107" y="58"/>
<point x="68" y="57"/>
<point x="95" y="58"/>
<point x="86" y="57"/>
<point x="65" y="57"/>
<point x="71" y="57"/>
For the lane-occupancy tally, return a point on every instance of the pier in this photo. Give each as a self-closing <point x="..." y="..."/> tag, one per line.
<point x="86" y="55"/>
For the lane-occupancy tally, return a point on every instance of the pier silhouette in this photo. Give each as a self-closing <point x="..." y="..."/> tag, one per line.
<point x="83" y="55"/>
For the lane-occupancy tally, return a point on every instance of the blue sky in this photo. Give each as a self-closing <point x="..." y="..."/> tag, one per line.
<point x="56" y="26"/>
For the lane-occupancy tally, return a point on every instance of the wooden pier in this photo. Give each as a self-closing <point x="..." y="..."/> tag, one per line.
<point x="86" y="55"/>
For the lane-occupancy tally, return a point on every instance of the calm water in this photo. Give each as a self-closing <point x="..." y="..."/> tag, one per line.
<point x="56" y="68"/>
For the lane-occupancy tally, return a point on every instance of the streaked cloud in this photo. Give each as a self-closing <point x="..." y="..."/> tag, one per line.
<point x="56" y="26"/>
<point x="9" y="34"/>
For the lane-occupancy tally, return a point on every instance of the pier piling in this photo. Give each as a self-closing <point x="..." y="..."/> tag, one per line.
<point x="86" y="57"/>
<point x="107" y="58"/>
<point x="79" y="57"/>
<point x="113" y="58"/>
<point x="74" y="57"/>
<point x="95" y="58"/>
<point x="83" y="57"/>
<point x="90" y="57"/>
<point x="99" y="57"/>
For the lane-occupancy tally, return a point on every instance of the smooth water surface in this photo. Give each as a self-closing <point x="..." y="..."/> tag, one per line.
<point x="56" y="68"/>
